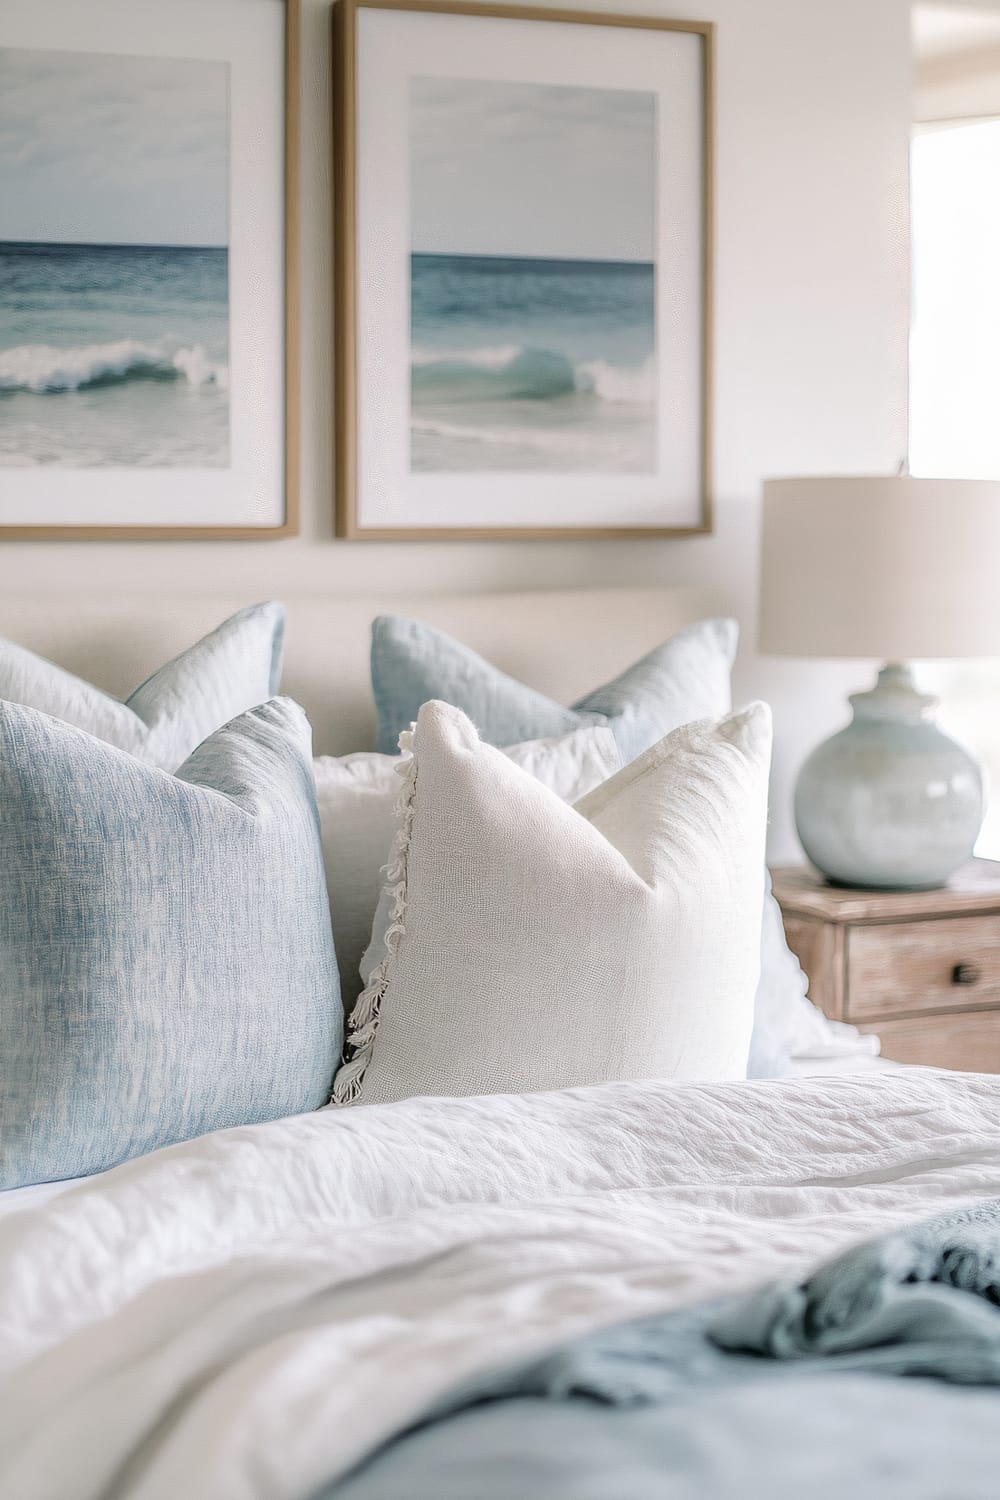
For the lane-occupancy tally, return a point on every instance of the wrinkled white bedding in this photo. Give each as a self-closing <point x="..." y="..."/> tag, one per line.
<point x="249" y="1314"/>
<point x="838" y="1063"/>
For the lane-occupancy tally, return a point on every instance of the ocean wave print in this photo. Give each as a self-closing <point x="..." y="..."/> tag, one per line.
<point x="514" y="373"/>
<point x="43" y="370"/>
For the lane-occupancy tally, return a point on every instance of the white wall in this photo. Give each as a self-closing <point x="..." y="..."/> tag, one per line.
<point x="812" y="315"/>
<point x="966" y="90"/>
<point x="957" y="47"/>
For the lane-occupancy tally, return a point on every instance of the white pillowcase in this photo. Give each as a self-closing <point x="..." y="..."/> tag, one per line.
<point x="789" y="1032"/>
<point x="357" y="796"/>
<point x="532" y="945"/>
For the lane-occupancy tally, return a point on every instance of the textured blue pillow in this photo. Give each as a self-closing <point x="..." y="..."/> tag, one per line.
<point x="234" y="668"/>
<point x="686" y="678"/>
<point x="166" y="961"/>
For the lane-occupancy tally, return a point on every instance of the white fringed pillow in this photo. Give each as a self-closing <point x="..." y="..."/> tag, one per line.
<point x="525" y="944"/>
<point x="357" y="794"/>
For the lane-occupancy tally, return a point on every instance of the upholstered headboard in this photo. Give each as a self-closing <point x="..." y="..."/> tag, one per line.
<point x="562" y="643"/>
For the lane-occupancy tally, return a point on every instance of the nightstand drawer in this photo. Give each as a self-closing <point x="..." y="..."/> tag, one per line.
<point x="942" y="964"/>
<point x="966" y="1040"/>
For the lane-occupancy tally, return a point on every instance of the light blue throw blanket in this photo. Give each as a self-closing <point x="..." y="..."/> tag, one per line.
<point x="889" y="1305"/>
<point x="794" y="1390"/>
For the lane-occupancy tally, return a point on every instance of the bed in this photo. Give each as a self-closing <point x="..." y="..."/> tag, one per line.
<point x="270" y="1311"/>
<point x="255" y="1313"/>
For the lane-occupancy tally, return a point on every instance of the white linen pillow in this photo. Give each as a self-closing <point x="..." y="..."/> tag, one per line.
<point x="685" y="678"/>
<point x="357" y="794"/>
<point x="533" y="945"/>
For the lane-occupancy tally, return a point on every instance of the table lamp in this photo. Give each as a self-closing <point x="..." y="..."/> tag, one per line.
<point x="900" y="569"/>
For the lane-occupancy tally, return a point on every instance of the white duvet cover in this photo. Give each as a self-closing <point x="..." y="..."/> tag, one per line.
<point x="250" y="1314"/>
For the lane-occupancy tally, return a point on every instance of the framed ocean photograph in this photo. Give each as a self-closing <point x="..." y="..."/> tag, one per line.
<point x="148" y="268"/>
<point x="522" y="271"/>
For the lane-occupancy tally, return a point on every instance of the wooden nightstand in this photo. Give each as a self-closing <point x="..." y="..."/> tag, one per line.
<point x="921" y="969"/>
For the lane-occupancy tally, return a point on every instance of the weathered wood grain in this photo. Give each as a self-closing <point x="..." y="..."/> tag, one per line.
<point x="920" y="969"/>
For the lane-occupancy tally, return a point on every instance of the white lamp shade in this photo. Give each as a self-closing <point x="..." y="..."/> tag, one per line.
<point x="895" y="568"/>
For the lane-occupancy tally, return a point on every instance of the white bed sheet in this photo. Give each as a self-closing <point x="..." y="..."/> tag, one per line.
<point x="17" y="1199"/>
<point x="249" y="1314"/>
<point x="842" y="1065"/>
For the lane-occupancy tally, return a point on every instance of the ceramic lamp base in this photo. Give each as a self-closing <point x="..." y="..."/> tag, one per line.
<point x="891" y="802"/>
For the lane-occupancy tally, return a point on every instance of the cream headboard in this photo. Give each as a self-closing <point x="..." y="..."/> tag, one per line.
<point x="562" y="643"/>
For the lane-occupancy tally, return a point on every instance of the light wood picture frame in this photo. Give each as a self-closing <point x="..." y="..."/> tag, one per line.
<point x="149" y="335"/>
<point x="522" y="342"/>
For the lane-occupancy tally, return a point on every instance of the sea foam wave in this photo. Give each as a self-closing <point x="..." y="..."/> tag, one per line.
<point x="614" y="383"/>
<point x="594" y="448"/>
<point x="504" y="437"/>
<point x="43" y="370"/>
<point x="487" y="358"/>
<point x="510" y="372"/>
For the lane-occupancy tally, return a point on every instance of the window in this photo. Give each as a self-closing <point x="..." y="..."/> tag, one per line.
<point x="955" y="347"/>
<point x="955" y="378"/>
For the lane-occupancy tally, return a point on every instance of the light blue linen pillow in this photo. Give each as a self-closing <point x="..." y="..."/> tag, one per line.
<point x="685" y="678"/>
<point x="166" y="961"/>
<point x="234" y="668"/>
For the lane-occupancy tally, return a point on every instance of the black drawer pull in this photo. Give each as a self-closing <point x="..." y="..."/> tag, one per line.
<point x="965" y="974"/>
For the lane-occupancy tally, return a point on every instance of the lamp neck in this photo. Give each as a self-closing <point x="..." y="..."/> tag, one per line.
<point x="894" y="696"/>
<point x="897" y="674"/>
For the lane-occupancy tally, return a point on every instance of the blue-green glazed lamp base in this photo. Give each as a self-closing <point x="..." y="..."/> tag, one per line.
<point x="891" y="802"/>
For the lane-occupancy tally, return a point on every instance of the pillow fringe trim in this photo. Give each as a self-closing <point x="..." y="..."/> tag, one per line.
<point x="363" y="1022"/>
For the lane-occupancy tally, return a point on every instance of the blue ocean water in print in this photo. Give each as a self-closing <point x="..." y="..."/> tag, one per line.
<point x="114" y="355"/>
<point x="524" y="363"/>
